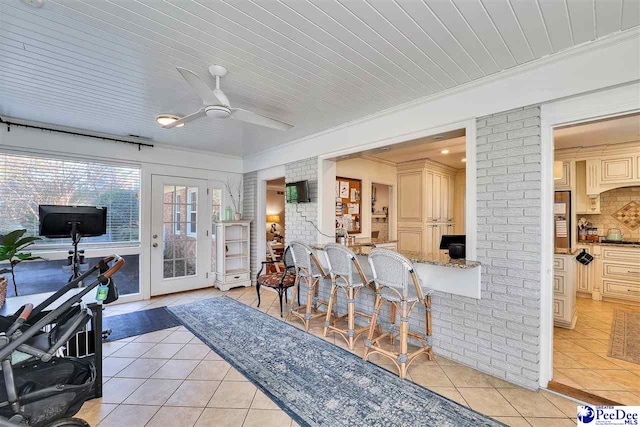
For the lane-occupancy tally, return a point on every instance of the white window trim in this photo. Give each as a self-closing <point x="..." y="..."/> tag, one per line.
<point x="190" y="211"/>
<point x="177" y="215"/>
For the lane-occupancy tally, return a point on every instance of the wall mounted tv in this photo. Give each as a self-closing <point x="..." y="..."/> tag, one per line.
<point x="298" y="192"/>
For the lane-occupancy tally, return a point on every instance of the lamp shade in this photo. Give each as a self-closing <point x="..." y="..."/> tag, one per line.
<point x="557" y="169"/>
<point x="273" y="218"/>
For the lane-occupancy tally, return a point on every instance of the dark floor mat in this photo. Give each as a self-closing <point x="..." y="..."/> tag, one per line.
<point x="139" y="322"/>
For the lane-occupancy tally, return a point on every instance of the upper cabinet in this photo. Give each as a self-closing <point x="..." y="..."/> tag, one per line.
<point x="619" y="170"/>
<point x="566" y="181"/>
<point x="410" y="194"/>
<point x="612" y="172"/>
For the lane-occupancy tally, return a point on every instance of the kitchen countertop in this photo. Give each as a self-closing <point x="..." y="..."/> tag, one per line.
<point x="618" y="245"/>
<point x="565" y="251"/>
<point x="358" y="244"/>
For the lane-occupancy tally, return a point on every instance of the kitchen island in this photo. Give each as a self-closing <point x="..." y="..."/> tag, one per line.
<point x="453" y="276"/>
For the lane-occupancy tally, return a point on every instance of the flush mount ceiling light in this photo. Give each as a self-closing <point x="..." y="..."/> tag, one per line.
<point x="385" y="149"/>
<point x="438" y="137"/>
<point x="444" y="152"/>
<point x="167" y="119"/>
<point x="464" y="159"/>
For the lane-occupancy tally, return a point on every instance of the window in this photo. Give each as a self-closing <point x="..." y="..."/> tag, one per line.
<point x="192" y="215"/>
<point x="177" y="214"/>
<point x="29" y="181"/>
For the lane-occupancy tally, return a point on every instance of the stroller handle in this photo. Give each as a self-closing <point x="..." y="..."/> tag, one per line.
<point x="119" y="262"/>
<point x="26" y="312"/>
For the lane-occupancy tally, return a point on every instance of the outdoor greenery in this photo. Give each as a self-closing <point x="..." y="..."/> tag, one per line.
<point x="11" y="245"/>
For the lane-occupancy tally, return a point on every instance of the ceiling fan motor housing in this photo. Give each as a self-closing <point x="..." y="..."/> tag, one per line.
<point x="217" y="111"/>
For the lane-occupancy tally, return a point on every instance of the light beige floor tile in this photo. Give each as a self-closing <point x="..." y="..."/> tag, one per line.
<point x="179" y="337"/>
<point x="210" y="370"/>
<point x="154" y="337"/>
<point x="624" y="397"/>
<point x="176" y="369"/>
<point x="129" y="416"/>
<point x="222" y="417"/>
<point x="94" y="412"/>
<point x="109" y="348"/>
<point x="429" y="376"/>
<point x="450" y="393"/>
<point x="628" y="380"/>
<point x="196" y="340"/>
<point x="621" y="363"/>
<point x="116" y="390"/>
<point x="530" y="404"/>
<point x="175" y="417"/>
<point x="261" y="401"/>
<point x="153" y="392"/>
<point x="141" y="368"/>
<point x="488" y="401"/>
<point x="267" y="418"/>
<point x="133" y="349"/>
<point x="499" y="383"/>
<point x="514" y="421"/>
<point x="233" y="394"/>
<point x="550" y="422"/>
<point x="193" y="393"/>
<point x="162" y="351"/>
<point x="234" y="375"/>
<point x="591" y="361"/>
<point x="112" y="365"/>
<point x="212" y="355"/>
<point x="586" y="378"/>
<point x="462" y="376"/>
<point x="192" y="351"/>
<point x="567" y="406"/>
<point x="563" y="360"/>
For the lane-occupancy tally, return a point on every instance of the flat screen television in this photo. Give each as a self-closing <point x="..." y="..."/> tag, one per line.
<point x="57" y="221"/>
<point x="298" y="192"/>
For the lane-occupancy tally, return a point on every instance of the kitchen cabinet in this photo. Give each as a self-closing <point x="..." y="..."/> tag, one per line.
<point x="566" y="181"/>
<point x="617" y="170"/>
<point x="564" y="291"/>
<point x="584" y="203"/>
<point x="620" y="270"/>
<point x="426" y="207"/>
<point x="608" y="173"/>
<point x="584" y="273"/>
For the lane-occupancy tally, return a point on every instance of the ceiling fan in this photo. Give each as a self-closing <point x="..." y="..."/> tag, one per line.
<point x="216" y="104"/>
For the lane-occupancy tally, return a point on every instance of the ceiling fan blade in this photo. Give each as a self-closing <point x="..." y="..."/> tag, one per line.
<point x="187" y="119"/>
<point x="208" y="95"/>
<point x="257" y="119"/>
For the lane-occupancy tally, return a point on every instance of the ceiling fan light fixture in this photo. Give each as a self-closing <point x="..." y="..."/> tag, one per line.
<point x="218" y="111"/>
<point x="167" y="119"/>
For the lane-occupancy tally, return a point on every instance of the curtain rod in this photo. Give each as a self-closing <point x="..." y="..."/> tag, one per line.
<point x="68" y="132"/>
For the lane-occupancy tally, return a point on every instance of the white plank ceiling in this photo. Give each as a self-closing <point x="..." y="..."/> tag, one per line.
<point x="109" y="66"/>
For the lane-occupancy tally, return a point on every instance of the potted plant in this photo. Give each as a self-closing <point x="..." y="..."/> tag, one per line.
<point x="235" y="193"/>
<point x="11" y="245"/>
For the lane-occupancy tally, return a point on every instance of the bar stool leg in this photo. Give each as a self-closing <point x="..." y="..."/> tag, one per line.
<point x="372" y="327"/>
<point x="295" y="291"/>
<point x="351" y="316"/>
<point x="332" y="296"/>
<point x="403" y="357"/>
<point x="393" y="308"/>
<point x="310" y="293"/>
<point x="427" y="306"/>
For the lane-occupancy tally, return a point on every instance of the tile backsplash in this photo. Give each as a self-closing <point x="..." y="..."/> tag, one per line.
<point x="610" y="202"/>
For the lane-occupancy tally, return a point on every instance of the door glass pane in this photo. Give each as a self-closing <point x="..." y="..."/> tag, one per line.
<point x="179" y="231"/>
<point x="216" y="212"/>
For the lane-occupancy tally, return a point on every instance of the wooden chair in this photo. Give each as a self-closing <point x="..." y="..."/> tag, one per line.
<point x="280" y="282"/>
<point x="342" y="261"/>
<point x="309" y="273"/>
<point x="398" y="284"/>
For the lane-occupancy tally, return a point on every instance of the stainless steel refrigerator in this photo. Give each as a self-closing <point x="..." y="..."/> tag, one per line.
<point x="562" y="220"/>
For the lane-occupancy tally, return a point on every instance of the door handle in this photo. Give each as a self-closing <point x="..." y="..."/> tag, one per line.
<point x="155" y="236"/>
<point x="155" y="245"/>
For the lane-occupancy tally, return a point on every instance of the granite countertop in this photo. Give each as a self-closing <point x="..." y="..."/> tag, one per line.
<point x="619" y="245"/>
<point x="452" y="263"/>
<point x="358" y="244"/>
<point x="565" y="251"/>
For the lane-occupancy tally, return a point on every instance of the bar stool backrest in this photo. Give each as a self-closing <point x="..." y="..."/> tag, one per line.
<point x="393" y="270"/>
<point x="287" y="259"/>
<point x="305" y="260"/>
<point x="341" y="261"/>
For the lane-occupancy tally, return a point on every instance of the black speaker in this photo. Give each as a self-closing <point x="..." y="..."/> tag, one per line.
<point x="457" y="251"/>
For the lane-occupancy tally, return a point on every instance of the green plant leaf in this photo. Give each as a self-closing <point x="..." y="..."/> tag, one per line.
<point x="11" y="238"/>
<point x="25" y="241"/>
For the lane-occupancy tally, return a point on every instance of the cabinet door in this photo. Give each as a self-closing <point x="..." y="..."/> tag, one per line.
<point x="593" y="170"/>
<point x="436" y="198"/>
<point x="616" y="170"/>
<point x="410" y="240"/>
<point x="410" y="196"/>
<point x="444" y="199"/>
<point x="432" y="244"/>
<point x="451" y="201"/>
<point x="565" y="181"/>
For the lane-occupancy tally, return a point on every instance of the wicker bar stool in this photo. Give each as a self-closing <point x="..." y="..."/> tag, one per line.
<point x="341" y="261"/>
<point x="310" y="272"/>
<point x="398" y="284"/>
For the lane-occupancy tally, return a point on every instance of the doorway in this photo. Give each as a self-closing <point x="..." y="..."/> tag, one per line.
<point x="275" y="224"/>
<point x="380" y="203"/>
<point x="180" y="243"/>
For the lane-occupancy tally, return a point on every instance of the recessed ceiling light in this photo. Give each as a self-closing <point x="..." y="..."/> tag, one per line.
<point x="444" y="152"/>
<point x="385" y="149"/>
<point x="438" y="137"/>
<point x="167" y="119"/>
<point x="344" y="157"/>
<point x="464" y="159"/>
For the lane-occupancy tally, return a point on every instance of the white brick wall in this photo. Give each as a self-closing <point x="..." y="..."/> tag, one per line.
<point x="297" y="216"/>
<point x="498" y="334"/>
<point x="249" y="211"/>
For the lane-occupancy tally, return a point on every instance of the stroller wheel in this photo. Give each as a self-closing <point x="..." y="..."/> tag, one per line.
<point x="69" y="422"/>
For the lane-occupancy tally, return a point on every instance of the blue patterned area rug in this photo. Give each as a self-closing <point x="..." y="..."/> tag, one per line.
<point x="315" y="382"/>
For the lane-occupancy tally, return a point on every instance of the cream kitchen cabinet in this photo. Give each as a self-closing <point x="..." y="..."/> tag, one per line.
<point x="585" y="274"/>
<point x="584" y="203"/>
<point x="426" y="202"/>
<point x="620" y="269"/>
<point x="566" y="181"/>
<point x="564" y="291"/>
<point x="611" y="172"/>
<point x="617" y="170"/>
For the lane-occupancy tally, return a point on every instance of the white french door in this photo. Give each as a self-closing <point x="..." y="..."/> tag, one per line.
<point x="180" y="242"/>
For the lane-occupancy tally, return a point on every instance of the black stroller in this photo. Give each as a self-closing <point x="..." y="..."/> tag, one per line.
<point x="39" y="387"/>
